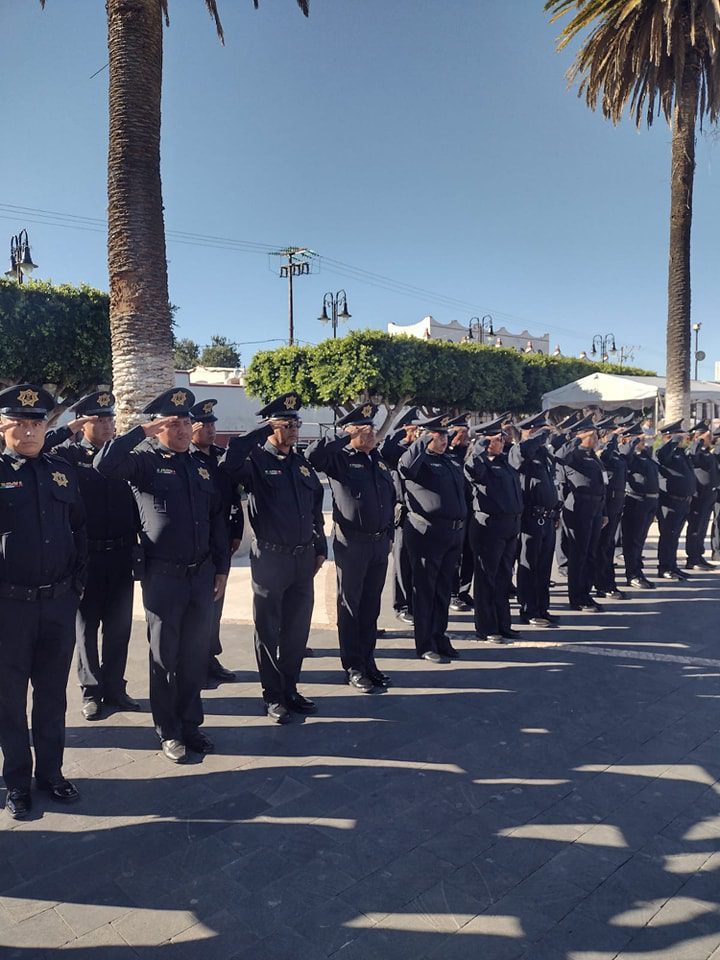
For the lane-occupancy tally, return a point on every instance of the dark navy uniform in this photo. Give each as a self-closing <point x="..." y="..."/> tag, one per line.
<point x="184" y="540"/>
<point x="461" y="593"/>
<point x="285" y="511"/>
<point x="677" y="488"/>
<point x="391" y="449"/>
<point x="363" y="509"/>
<point x="42" y="575"/>
<point x="494" y="531"/>
<point x="433" y="531"/>
<point x="615" y="467"/>
<point x="541" y="509"/>
<point x="707" y="474"/>
<point x="112" y="528"/>
<point x="642" y="488"/>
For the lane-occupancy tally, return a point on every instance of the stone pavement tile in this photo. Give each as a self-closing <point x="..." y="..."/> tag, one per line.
<point x="96" y="762"/>
<point x="614" y="840"/>
<point x="362" y="852"/>
<point x="276" y="904"/>
<point x="675" y="856"/>
<point x="218" y="937"/>
<point x="400" y="936"/>
<point x="331" y="926"/>
<point x="40" y="932"/>
<point x="283" y="944"/>
<point x="456" y="848"/>
<point x="487" y="937"/>
<point x="322" y="798"/>
<point x="445" y="906"/>
<point x="261" y="866"/>
<point x="550" y="896"/>
<point x="9" y="874"/>
<point x="585" y="867"/>
<point x="146" y="883"/>
<point x="148" y="927"/>
<point x="580" y="934"/>
<point x="686" y="943"/>
<point x="103" y="904"/>
<point x="321" y="876"/>
<point x="102" y="942"/>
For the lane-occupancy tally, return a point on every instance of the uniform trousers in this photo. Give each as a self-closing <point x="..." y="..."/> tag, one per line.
<point x="36" y="647"/>
<point x="215" y="645"/>
<point x="604" y="573"/>
<point x="715" y="533"/>
<point x="582" y="523"/>
<point x="361" y="568"/>
<point x="537" y="544"/>
<point x="701" y="508"/>
<point x="672" y="513"/>
<point x="434" y="550"/>
<point x="402" y="573"/>
<point x="283" y="596"/>
<point x="108" y="600"/>
<point x="462" y="581"/>
<point x="494" y="542"/>
<point x="178" y="611"/>
<point x="637" y="518"/>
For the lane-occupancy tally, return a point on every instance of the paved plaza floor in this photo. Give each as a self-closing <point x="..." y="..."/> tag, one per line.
<point x="554" y="800"/>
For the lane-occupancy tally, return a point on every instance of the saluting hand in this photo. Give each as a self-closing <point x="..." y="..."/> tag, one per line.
<point x="79" y="423"/>
<point x="153" y="428"/>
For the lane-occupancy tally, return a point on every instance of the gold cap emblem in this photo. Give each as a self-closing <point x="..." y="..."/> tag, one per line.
<point x="179" y="398"/>
<point x="208" y="407"/>
<point x="367" y="410"/>
<point x="28" y="398"/>
<point x="290" y="402"/>
<point x="445" y="421"/>
<point x="104" y="400"/>
<point x="60" y="479"/>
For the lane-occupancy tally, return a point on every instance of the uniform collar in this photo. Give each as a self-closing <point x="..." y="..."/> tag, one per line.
<point x="88" y="446"/>
<point x="276" y="452"/>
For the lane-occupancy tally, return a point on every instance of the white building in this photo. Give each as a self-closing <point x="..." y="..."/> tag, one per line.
<point x="431" y="329"/>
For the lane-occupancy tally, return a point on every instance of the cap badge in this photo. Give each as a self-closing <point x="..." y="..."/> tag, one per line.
<point x="208" y="407"/>
<point x="179" y="398"/>
<point x="60" y="479"/>
<point x="367" y="410"/>
<point x="291" y="403"/>
<point x="202" y="472"/>
<point x="28" y="398"/>
<point x="104" y="400"/>
<point x="445" y="421"/>
<point x="304" y="471"/>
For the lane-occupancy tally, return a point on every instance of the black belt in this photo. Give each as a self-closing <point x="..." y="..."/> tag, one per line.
<point x="362" y="536"/>
<point x="104" y="546"/>
<point x="440" y="521"/>
<point x="670" y="496"/>
<point x="171" y="569"/>
<point x="286" y="550"/>
<point x="49" y="591"/>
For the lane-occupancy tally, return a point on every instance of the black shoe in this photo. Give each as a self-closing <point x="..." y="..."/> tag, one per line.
<point x="18" y="804"/>
<point x="537" y="621"/>
<point x="379" y="679"/>
<point x="613" y="594"/>
<point x="123" y="702"/>
<point x="277" y="712"/>
<point x="405" y="616"/>
<point x="91" y="710"/>
<point x="554" y="621"/>
<point x="174" y="750"/>
<point x="699" y="562"/>
<point x="669" y="575"/>
<point x="59" y="789"/>
<point x="299" y="704"/>
<point x="199" y="743"/>
<point x="681" y="574"/>
<point x="216" y="671"/>
<point x="360" y="681"/>
<point x="642" y="583"/>
<point x="434" y="657"/>
<point x="309" y="652"/>
<point x="586" y="606"/>
<point x="458" y="605"/>
<point x="380" y="632"/>
<point x="448" y="650"/>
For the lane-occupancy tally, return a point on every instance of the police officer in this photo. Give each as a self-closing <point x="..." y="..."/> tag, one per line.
<point x="459" y="443"/>
<point x="583" y="513"/>
<point x="615" y="467"/>
<point x="391" y="449"/>
<point x="433" y="529"/>
<point x="204" y="449"/>
<point x="112" y="529"/>
<point x="494" y="530"/>
<point x="285" y="509"/>
<point x="707" y="474"/>
<point x="186" y="561"/>
<point x="42" y="575"/>
<point x="535" y="464"/>
<point x="363" y="507"/>
<point x="642" y="486"/>
<point x="677" y="488"/>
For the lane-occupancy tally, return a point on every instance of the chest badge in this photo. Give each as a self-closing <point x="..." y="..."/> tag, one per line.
<point x="60" y="479"/>
<point x="381" y="465"/>
<point x="304" y="471"/>
<point x="203" y="472"/>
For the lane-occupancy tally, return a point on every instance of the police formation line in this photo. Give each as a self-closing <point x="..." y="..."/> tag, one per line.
<point x="84" y="513"/>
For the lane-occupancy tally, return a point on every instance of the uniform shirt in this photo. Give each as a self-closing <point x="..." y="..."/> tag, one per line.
<point x="284" y="494"/>
<point x="496" y="489"/>
<point x="582" y="473"/>
<point x="232" y="504"/>
<point x="705" y="467"/>
<point x="536" y="470"/>
<point x="433" y="483"/>
<point x="616" y="470"/>
<point x="43" y="536"/>
<point x="180" y="508"/>
<point x="458" y="452"/>
<point x="362" y="487"/>
<point x="677" y="478"/>
<point x="642" y="476"/>
<point x="109" y="504"/>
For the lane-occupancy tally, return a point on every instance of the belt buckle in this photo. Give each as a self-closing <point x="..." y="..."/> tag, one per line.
<point x="44" y="590"/>
<point x="298" y="550"/>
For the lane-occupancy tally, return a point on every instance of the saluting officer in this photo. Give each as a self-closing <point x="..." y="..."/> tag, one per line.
<point x="642" y="489"/>
<point x="494" y="530"/>
<point x="433" y="530"/>
<point x="615" y="467"/>
<point x="677" y="488"/>
<point x="112" y="529"/>
<point x="707" y="474"/>
<point x="42" y="575"/>
<point x="461" y="594"/>
<point x="540" y="515"/>
<point x="186" y="561"/>
<point x="363" y="507"/>
<point x="285" y="509"/>
<point x="204" y="449"/>
<point x="583" y="514"/>
<point x="391" y="449"/>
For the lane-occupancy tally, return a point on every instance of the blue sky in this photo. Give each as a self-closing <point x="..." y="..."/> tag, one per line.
<point x="433" y="142"/>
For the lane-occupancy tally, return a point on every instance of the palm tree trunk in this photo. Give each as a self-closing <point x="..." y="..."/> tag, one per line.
<point x="140" y="319"/>
<point x="677" y="392"/>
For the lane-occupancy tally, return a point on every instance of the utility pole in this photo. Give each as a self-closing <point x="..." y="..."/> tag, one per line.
<point x="293" y="268"/>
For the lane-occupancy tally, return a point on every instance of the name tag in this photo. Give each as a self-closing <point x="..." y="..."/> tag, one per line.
<point x="273" y="473"/>
<point x="165" y="471"/>
<point x="11" y="485"/>
<point x="357" y="466"/>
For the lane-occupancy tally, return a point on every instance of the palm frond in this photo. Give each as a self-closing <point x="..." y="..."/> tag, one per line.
<point x="303" y="4"/>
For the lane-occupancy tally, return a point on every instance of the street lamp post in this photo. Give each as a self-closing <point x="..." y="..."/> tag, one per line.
<point x="699" y="354"/>
<point x="606" y="343"/>
<point x="21" y="263"/>
<point x="482" y="326"/>
<point x="337" y="305"/>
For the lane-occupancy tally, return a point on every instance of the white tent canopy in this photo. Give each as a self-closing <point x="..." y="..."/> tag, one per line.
<point x="610" y="392"/>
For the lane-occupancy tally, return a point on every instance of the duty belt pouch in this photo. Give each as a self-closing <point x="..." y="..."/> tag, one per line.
<point x="138" y="561"/>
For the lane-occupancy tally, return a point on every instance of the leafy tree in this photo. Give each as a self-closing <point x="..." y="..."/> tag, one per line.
<point x="661" y="56"/>
<point x="54" y="335"/>
<point x="220" y="352"/>
<point x="186" y="354"/>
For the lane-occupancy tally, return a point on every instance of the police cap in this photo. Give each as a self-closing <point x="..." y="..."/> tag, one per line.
<point x="583" y="426"/>
<point x="25" y="401"/>
<point x="535" y="422"/>
<point x="674" y="427"/>
<point x="360" y="416"/>
<point x="175" y="402"/>
<point x="203" y="412"/>
<point x="492" y="427"/>
<point x="101" y="404"/>
<point x="439" y="424"/>
<point x="410" y="416"/>
<point x="284" y="407"/>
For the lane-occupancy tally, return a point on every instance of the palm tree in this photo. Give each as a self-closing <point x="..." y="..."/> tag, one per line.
<point x="661" y="56"/>
<point x="140" y="314"/>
